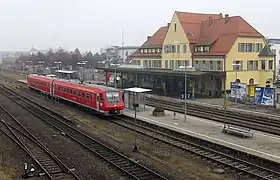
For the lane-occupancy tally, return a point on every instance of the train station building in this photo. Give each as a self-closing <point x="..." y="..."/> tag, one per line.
<point x="220" y="49"/>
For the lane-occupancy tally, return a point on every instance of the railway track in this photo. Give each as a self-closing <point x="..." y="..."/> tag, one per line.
<point x="202" y="149"/>
<point x="49" y="164"/>
<point x="130" y="169"/>
<point x="265" y="124"/>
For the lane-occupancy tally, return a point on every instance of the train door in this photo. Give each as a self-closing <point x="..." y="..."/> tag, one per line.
<point x="52" y="88"/>
<point x="97" y="101"/>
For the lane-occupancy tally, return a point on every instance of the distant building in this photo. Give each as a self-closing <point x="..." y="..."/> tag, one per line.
<point x="275" y="48"/>
<point x="126" y="51"/>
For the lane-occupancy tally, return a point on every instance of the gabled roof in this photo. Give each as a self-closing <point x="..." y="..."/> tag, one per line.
<point x="222" y="33"/>
<point x="191" y="23"/>
<point x="154" y="41"/>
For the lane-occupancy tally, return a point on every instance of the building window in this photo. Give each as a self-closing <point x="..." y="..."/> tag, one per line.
<point x="149" y="50"/>
<point x="262" y="64"/>
<point x="237" y="65"/>
<point x="195" y="49"/>
<point x="150" y="63"/>
<point x="219" y="65"/>
<point x="171" y="64"/>
<point x="241" y="47"/>
<point x="141" y="51"/>
<point x="145" y="50"/>
<point x="196" y="65"/>
<point x="184" y="48"/>
<point x="249" y="47"/>
<point x="166" y="63"/>
<point x="250" y="65"/>
<point x="270" y="64"/>
<point x="145" y="63"/>
<point x="274" y="51"/>
<point x="211" y="65"/>
<point x="178" y="48"/>
<point x="175" y="27"/>
<point x="206" y="48"/>
<point x="173" y="49"/>
<point x="256" y="65"/>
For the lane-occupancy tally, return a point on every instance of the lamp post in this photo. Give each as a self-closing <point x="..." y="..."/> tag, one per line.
<point x="116" y="66"/>
<point x="135" y="105"/>
<point x="236" y="65"/>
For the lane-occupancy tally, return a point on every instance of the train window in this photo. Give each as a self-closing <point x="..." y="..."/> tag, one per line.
<point x="68" y="90"/>
<point x="79" y="93"/>
<point x="58" y="88"/>
<point x="90" y="96"/>
<point x="87" y="95"/>
<point x="83" y="94"/>
<point x="71" y="91"/>
<point x="74" y="92"/>
<point x="64" y="89"/>
<point x="100" y="97"/>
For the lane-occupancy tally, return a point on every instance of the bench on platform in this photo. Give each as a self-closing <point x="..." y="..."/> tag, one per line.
<point x="240" y="131"/>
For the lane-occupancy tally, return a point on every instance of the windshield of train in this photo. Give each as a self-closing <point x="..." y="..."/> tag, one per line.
<point x="113" y="97"/>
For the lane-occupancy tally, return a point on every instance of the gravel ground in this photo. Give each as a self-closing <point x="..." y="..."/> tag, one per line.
<point x="73" y="155"/>
<point x="170" y="162"/>
<point x="12" y="158"/>
<point x="163" y="159"/>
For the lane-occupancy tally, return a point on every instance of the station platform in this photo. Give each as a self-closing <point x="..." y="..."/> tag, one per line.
<point x="261" y="144"/>
<point x="232" y="106"/>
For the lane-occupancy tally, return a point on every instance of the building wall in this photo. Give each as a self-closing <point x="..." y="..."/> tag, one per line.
<point x="177" y="38"/>
<point x="151" y="62"/>
<point x="259" y="73"/>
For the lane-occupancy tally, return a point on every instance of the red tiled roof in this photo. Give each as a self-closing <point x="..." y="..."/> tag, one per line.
<point x="206" y="29"/>
<point x="157" y="39"/>
<point x="222" y="33"/>
<point x="154" y="41"/>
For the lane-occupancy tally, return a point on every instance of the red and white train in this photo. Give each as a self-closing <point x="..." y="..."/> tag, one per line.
<point x="102" y="99"/>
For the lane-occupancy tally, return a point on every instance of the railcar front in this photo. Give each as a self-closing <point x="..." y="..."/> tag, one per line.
<point x="113" y="101"/>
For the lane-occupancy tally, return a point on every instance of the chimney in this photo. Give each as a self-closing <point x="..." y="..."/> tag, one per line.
<point x="168" y="24"/>
<point x="226" y="18"/>
<point x="210" y="20"/>
<point x="149" y="37"/>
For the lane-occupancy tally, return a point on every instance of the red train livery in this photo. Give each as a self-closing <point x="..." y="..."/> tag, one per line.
<point x="102" y="99"/>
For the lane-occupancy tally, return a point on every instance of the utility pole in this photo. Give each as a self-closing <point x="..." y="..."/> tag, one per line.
<point x="122" y="46"/>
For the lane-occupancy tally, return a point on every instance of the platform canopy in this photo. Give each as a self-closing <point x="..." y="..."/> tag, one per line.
<point x="137" y="90"/>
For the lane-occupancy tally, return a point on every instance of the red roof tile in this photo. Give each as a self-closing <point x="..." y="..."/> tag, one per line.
<point x="222" y="33"/>
<point x="154" y="41"/>
<point x="157" y="39"/>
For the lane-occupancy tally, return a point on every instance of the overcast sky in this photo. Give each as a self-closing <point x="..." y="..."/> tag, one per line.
<point x="93" y="24"/>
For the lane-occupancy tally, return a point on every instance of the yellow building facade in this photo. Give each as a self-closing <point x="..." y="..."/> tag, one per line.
<point x="213" y="43"/>
<point x="176" y="47"/>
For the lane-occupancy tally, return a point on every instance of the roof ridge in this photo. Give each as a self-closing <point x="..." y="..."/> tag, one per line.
<point x="197" y="13"/>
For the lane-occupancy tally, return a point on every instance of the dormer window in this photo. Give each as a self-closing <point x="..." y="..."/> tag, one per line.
<point x="206" y="48"/>
<point x="149" y="50"/>
<point x="141" y="50"/>
<point x="153" y="50"/>
<point x="145" y="50"/>
<point x="195" y="49"/>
